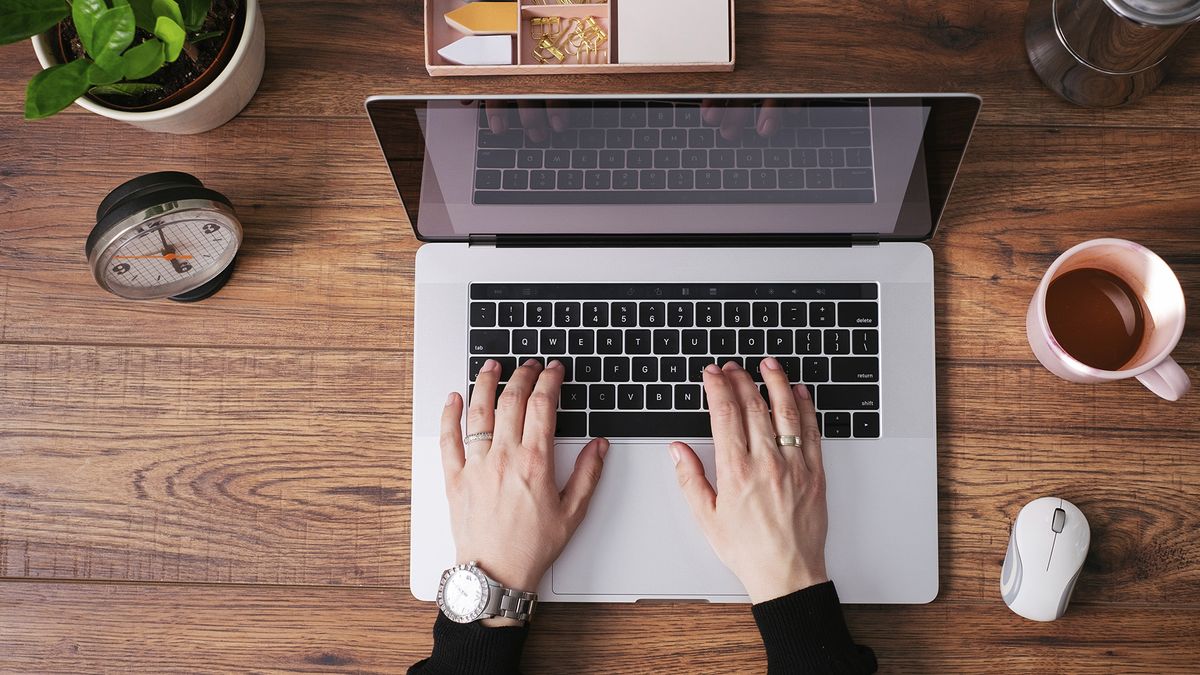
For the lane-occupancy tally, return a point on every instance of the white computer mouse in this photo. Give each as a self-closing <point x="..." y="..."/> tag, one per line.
<point x="1049" y="541"/>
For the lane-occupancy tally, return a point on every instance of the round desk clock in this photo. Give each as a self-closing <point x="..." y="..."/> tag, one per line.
<point x="164" y="235"/>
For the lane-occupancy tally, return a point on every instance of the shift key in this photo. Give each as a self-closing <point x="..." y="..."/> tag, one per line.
<point x="848" y="397"/>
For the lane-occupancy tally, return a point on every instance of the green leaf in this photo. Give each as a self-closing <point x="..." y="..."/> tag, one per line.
<point x="143" y="13"/>
<point x="21" y="19"/>
<point x="85" y="14"/>
<point x="125" y="89"/>
<point x="172" y="36"/>
<point x="194" y="13"/>
<point x="113" y="35"/>
<point x="98" y="75"/>
<point x="201" y="37"/>
<point x="169" y="9"/>
<point x="55" y="88"/>
<point x="143" y="60"/>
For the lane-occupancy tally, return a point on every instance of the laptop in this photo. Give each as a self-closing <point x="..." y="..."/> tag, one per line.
<point x="638" y="239"/>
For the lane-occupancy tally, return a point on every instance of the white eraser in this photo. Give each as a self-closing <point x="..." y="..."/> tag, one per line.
<point x="480" y="50"/>
<point x="673" y="31"/>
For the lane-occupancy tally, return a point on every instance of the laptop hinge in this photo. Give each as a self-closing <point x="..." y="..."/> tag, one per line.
<point x="871" y="239"/>
<point x="675" y="241"/>
<point x="481" y="240"/>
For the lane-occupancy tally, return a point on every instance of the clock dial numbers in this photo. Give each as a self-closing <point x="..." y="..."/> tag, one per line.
<point x="168" y="253"/>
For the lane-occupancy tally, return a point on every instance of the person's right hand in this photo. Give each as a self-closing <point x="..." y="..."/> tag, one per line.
<point x="769" y="520"/>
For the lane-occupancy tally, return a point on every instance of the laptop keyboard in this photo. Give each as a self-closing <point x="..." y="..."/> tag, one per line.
<point x="664" y="153"/>
<point x="634" y="354"/>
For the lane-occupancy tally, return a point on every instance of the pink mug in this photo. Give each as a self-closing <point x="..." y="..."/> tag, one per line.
<point x="1162" y="298"/>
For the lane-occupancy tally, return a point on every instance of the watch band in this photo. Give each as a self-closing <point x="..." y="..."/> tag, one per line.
<point x="509" y="604"/>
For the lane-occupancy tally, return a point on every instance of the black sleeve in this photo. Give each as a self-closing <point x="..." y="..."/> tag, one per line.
<point x="472" y="649"/>
<point x="805" y="633"/>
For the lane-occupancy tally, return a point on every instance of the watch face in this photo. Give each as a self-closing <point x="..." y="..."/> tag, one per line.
<point x="464" y="594"/>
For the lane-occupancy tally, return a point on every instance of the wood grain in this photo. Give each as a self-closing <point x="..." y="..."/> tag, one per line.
<point x="167" y="629"/>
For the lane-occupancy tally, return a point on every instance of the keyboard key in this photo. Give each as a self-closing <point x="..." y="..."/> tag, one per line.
<point x="658" y="396"/>
<point x="630" y="397"/>
<point x="516" y="179"/>
<point x="581" y="342"/>
<point x="855" y="369"/>
<point x="602" y="396"/>
<point x="589" y="369"/>
<point x="776" y="158"/>
<point x="595" y="314"/>
<point x="837" y="425"/>
<point x="616" y="369"/>
<point x="792" y="366"/>
<point x="666" y="342"/>
<point x="687" y="396"/>
<point x="848" y="396"/>
<point x="568" y="138"/>
<point x="794" y="314"/>
<point x="566" y="314"/>
<point x="573" y="397"/>
<point x="625" y="179"/>
<point x="652" y="179"/>
<point x="584" y="159"/>
<point x="604" y="115"/>
<point x="489" y="342"/>
<point x="645" y="138"/>
<point x="608" y="342"/>
<point x="553" y="342"/>
<point x="558" y="159"/>
<point x="509" y="139"/>
<point x="542" y="180"/>
<point x="611" y="159"/>
<point x="708" y="179"/>
<point x="720" y="159"/>
<point x="570" y="425"/>
<point x="639" y="159"/>
<point x="808" y="342"/>
<point x="529" y="158"/>
<point x="666" y="159"/>
<point x="637" y="342"/>
<point x="511" y="314"/>
<point x="723" y="360"/>
<point x="809" y="138"/>
<point x="791" y="179"/>
<point x="749" y="158"/>
<point x="853" y="178"/>
<point x="858" y="314"/>
<point x="765" y="314"/>
<point x="722" y="342"/>
<point x="674" y="138"/>
<point x="847" y="138"/>
<point x="858" y="157"/>
<point x="701" y="138"/>
<point x="660" y="114"/>
<point x="695" y="342"/>
<point x="735" y="179"/>
<point x="680" y="314"/>
<point x="539" y="314"/>
<point x="483" y="314"/>
<point x="784" y="137"/>
<point x="619" y="138"/>
<point x="751" y="342"/>
<point x="524" y="342"/>
<point x="508" y="364"/>
<point x="650" y="425"/>
<point x="865" y="342"/>
<point x="839" y="115"/>
<point x="818" y="179"/>
<point x="597" y="179"/>
<point x="752" y="366"/>
<point x="652" y="314"/>
<point x="496" y="159"/>
<point x="568" y="367"/>
<point x="696" y="366"/>
<point x="737" y="314"/>
<point x="831" y="157"/>
<point x="815" y="369"/>
<point x="821" y="313"/>
<point x="779" y="342"/>
<point x="804" y="158"/>
<point x="866" y="425"/>
<point x="693" y="159"/>
<point x="571" y="179"/>
<point x="687" y="115"/>
<point x="487" y="180"/>
<point x="837" y="342"/>
<point x="708" y="314"/>
<point x="591" y="138"/>
<point x="762" y="179"/>
<point x="623" y="314"/>
<point x="672" y="369"/>
<point x="645" y="369"/>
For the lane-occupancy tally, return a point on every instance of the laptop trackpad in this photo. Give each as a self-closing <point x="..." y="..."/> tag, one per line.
<point x="639" y="537"/>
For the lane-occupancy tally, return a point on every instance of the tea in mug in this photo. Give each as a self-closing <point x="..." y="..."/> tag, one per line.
<point x="1096" y="317"/>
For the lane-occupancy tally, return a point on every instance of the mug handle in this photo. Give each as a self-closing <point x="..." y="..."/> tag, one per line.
<point x="1167" y="380"/>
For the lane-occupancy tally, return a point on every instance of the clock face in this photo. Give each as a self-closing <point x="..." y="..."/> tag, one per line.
<point x="169" y="254"/>
<point x="464" y="595"/>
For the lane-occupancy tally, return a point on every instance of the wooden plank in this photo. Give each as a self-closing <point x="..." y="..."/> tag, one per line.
<point x="274" y="466"/>
<point x="50" y="627"/>
<point x="325" y="62"/>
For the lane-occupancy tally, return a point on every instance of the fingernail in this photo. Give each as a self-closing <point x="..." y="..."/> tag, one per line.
<point x="712" y="368"/>
<point x="537" y="135"/>
<point x="450" y="399"/>
<point x="802" y="391"/>
<point x="532" y="362"/>
<point x="767" y="127"/>
<point x="731" y="365"/>
<point x="489" y="366"/>
<point x="603" y="448"/>
<point x="769" y="363"/>
<point x="496" y="124"/>
<point x="554" y="364"/>
<point x="674" y="454"/>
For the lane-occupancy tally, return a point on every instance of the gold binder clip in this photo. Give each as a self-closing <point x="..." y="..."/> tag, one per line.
<point x="546" y="50"/>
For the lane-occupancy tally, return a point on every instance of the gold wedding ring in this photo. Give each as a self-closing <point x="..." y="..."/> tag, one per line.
<point x="788" y="441"/>
<point x="477" y="436"/>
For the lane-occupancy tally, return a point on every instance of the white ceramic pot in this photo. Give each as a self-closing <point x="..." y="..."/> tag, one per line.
<point x="215" y="105"/>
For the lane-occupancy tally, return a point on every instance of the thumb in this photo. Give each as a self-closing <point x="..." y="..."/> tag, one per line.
<point x="582" y="483"/>
<point x="695" y="486"/>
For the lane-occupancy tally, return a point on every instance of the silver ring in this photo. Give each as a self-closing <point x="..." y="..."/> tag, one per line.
<point x="477" y="436"/>
<point x="789" y="441"/>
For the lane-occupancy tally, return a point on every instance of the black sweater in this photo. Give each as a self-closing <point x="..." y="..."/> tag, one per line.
<point x="803" y="632"/>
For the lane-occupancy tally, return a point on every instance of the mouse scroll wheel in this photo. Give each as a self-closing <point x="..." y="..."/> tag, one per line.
<point x="1060" y="520"/>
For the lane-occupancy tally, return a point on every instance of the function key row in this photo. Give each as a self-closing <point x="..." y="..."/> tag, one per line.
<point x="705" y="314"/>
<point x="729" y="291"/>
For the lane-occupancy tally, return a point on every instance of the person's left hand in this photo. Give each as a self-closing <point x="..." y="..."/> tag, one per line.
<point x="506" y="512"/>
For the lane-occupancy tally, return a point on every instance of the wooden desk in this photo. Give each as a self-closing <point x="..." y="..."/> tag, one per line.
<point x="226" y="485"/>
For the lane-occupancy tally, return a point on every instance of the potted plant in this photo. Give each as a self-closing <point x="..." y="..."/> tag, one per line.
<point x="179" y="66"/>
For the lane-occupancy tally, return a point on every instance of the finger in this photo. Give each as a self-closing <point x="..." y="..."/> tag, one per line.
<point x="559" y="116"/>
<point x="533" y="118"/>
<point x="811" y="432"/>
<point x="711" y="111"/>
<point x="784" y="411"/>
<point x="760" y="432"/>
<point x="689" y="471"/>
<point x="542" y="409"/>
<point x="734" y="120"/>
<point x="726" y="415"/>
<point x="497" y="116"/>
<point x="577" y="493"/>
<point x="510" y="409"/>
<point x="770" y="117"/>
<point x="453" y="454"/>
<point x="481" y="416"/>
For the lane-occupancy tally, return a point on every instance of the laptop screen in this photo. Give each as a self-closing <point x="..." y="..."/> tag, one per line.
<point x="674" y="166"/>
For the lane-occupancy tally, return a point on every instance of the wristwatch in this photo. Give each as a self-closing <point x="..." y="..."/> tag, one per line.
<point x="467" y="594"/>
